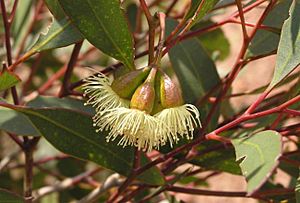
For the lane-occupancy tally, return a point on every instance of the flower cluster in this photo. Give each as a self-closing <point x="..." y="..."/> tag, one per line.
<point x="132" y="111"/>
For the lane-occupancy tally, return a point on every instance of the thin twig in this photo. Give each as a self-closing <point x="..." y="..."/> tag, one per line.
<point x="113" y="180"/>
<point x="242" y="17"/>
<point x="8" y="47"/>
<point x="194" y="191"/>
<point x="131" y="177"/>
<point x="29" y="146"/>
<point x="65" y="89"/>
<point x="152" y="26"/>
<point x="172" y="5"/>
<point x="7" y="32"/>
<point x="13" y="11"/>
<point x="162" y="24"/>
<point x="65" y="184"/>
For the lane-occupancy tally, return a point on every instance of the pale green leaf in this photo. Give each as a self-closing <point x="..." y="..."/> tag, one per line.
<point x="259" y="154"/>
<point x="288" y="54"/>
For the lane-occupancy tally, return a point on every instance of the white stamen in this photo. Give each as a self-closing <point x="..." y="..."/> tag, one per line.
<point x="181" y="120"/>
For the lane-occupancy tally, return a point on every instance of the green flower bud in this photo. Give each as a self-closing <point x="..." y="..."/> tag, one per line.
<point x="144" y="97"/>
<point x="126" y="85"/>
<point x="170" y="94"/>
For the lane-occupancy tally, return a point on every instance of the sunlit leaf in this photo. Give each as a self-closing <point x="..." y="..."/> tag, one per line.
<point x="288" y="54"/>
<point x="259" y="156"/>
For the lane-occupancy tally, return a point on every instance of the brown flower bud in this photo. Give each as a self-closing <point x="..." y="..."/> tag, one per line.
<point x="170" y="94"/>
<point x="143" y="98"/>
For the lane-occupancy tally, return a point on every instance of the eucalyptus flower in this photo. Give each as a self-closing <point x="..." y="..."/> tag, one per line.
<point x="101" y="95"/>
<point x="125" y="108"/>
<point x="181" y="119"/>
<point x="105" y="94"/>
<point x="135" y="127"/>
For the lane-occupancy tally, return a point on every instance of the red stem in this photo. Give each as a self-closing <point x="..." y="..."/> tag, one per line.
<point x="236" y="68"/>
<point x="241" y="14"/>
<point x="292" y="112"/>
<point x="205" y="192"/>
<point x="259" y="195"/>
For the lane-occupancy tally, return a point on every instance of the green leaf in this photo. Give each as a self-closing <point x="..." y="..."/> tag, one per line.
<point x="206" y="7"/>
<point x="265" y="41"/>
<point x="103" y="24"/>
<point x="288" y="54"/>
<point x="297" y="189"/>
<point x="195" y="70"/>
<point x="8" y="79"/>
<point x="60" y="34"/>
<point x="259" y="156"/>
<point x="65" y="103"/>
<point x="73" y="133"/>
<point x="9" y="197"/>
